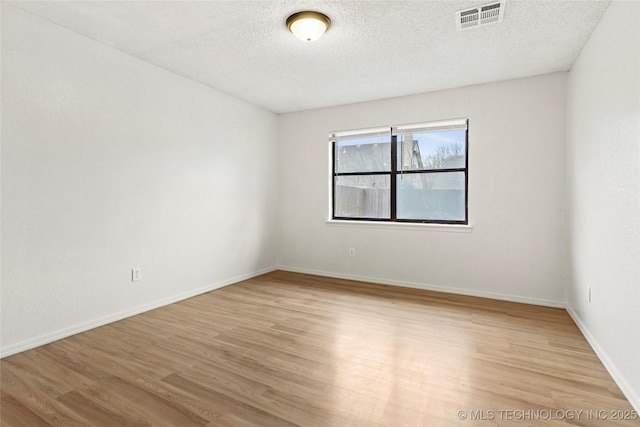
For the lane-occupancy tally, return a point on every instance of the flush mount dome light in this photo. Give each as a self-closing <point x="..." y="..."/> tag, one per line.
<point x="308" y="26"/>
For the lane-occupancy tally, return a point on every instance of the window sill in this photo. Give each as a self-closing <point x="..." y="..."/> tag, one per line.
<point x="451" y="228"/>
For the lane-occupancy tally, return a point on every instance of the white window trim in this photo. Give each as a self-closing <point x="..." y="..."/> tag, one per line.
<point x="354" y="223"/>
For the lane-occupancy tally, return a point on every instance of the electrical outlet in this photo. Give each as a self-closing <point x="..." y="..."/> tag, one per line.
<point x="136" y="274"/>
<point x="352" y="252"/>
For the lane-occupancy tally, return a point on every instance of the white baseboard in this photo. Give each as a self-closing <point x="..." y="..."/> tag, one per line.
<point x="428" y="287"/>
<point x="620" y="380"/>
<point x="83" y="327"/>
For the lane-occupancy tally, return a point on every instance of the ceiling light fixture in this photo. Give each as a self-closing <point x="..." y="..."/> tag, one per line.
<point x="308" y="26"/>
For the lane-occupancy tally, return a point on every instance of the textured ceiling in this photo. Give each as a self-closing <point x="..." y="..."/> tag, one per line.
<point x="373" y="50"/>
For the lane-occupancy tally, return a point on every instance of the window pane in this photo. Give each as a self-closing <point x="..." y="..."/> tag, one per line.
<point x="431" y="150"/>
<point x="434" y="196"/>
<point x="371" y="154"/>
<point x="362" y="196"/>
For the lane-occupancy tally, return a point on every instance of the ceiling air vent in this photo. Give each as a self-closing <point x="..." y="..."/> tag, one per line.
<point x="480" y="15"/>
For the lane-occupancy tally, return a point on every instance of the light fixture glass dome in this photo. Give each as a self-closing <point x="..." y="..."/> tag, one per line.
<point x="308" y="26"/>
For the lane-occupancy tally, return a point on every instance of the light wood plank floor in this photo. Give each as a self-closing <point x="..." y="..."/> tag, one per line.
<point x="288" y="349"/>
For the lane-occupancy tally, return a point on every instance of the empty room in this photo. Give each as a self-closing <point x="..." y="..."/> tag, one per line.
<point x="320" y="213"/>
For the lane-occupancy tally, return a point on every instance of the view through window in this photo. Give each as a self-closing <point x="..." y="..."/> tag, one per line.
<point x="408" y="173"/>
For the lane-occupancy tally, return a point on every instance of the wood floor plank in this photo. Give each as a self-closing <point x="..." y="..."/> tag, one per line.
<point x="13" y="413"/>
<point x="287" y="349"/>
<point x="227" y="403"/>
<point x="100" y="414"/>
<point x="28" y="399"/>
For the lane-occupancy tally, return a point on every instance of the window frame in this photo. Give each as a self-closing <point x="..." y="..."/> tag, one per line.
<point x="393" y="174"/>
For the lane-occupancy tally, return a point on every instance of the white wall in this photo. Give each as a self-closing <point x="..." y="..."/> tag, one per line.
<point x="517" y="248"/>
<point x="110" y="163"/>
<point x="604" y="192"/>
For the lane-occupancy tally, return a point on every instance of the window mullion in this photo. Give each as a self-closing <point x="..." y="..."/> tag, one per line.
<point x="394" y="170"/>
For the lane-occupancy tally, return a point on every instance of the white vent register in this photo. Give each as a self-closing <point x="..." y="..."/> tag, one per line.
<point x="480" y="15"/>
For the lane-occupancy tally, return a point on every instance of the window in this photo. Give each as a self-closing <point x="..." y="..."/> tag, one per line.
<point x="408" y="173"/>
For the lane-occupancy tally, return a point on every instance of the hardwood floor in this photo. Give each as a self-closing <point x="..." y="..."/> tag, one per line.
<point x="288" y="349"/>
